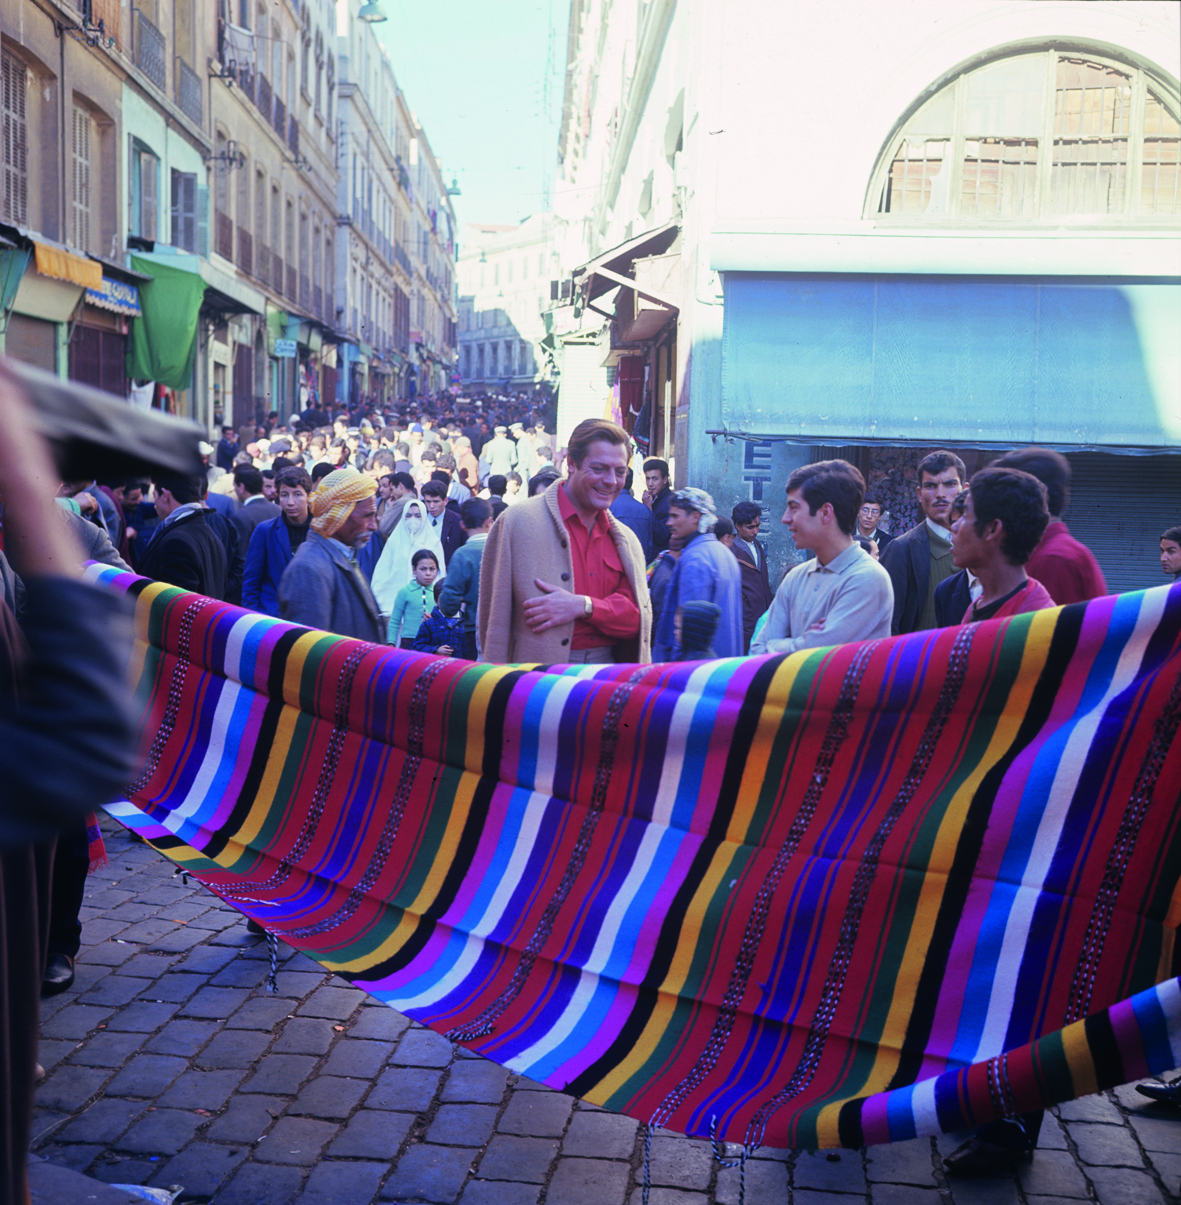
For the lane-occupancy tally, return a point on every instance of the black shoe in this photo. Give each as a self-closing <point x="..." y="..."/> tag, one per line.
<point x="59" y="974"/>
<point x="976" y="1157"/>
<point x="252" y="926"/>
<point x="1167" y="1092"/>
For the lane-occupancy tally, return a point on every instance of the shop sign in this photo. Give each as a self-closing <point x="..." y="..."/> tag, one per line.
<point x="117" y="296"/>
<point x="285" y="348"/>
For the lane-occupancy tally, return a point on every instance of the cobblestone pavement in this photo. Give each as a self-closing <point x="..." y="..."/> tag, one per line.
<point x="169" y="1063"/>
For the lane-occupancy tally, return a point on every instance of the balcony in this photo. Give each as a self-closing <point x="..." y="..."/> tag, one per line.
<point x="275" y="280"/>
<point x="402" y="259"/>
<point x="262" y="263"/>
<point x="149" y="50"/>
<point x="265" y="100"/>
<point x="280" y="120"/>
<point x="245" y="251"/>
<point x="290" y="290"/>
<point x="225" y="236"/>
<point x="188" y="91"/>
<point x="293" y="135"/>
<point x="305" y="290"/>
<point x="317" y="301"/>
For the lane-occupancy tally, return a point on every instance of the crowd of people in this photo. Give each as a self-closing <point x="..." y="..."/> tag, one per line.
<point x="458" y="531"/>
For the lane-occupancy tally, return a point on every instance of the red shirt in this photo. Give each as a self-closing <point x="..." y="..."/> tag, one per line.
<point x="1066" y="568"/>
<point x="598" y="572"/>
<point x="1032" y="596"/>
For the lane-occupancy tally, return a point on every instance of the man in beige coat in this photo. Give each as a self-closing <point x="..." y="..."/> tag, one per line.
<point x="561" y="578"/>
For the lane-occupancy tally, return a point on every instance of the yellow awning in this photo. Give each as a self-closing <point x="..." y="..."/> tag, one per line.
<point x="61" y="265"/>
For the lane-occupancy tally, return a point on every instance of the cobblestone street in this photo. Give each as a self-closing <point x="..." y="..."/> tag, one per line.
<point x="169" y="1063"/>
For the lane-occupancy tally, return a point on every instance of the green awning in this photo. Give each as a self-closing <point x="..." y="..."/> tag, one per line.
<point x="163" y="342"/>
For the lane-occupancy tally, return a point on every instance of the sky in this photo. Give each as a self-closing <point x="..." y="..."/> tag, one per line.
<point x="475" y="73"/>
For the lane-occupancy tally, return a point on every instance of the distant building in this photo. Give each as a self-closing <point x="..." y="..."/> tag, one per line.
<point x="433" y="326"/>
<point x="374" y="204"/>
<point x="504" y="285"/>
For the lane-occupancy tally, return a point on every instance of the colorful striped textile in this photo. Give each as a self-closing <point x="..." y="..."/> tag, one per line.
<point x="843" y="897"/>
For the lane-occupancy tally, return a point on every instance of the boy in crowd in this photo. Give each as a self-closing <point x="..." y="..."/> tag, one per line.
<point x="841" y="594"/>
<point x="1004" y="517"/>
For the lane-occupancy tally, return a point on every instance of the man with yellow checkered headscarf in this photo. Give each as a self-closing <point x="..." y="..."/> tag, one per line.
<point x="323" y="587"/>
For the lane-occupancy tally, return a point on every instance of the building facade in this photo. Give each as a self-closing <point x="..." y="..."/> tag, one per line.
<point x="969" y="237"/>
<point x="207" y="210"/>
<point x="504" y="286"/>
<point x="374" y="207"/>
<point x="433" y="326"/>
<point x="67" y="70"/>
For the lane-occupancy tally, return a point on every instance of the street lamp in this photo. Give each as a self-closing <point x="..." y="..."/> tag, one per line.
<point x="453" y="191"/>
<point x="371" y="12"/>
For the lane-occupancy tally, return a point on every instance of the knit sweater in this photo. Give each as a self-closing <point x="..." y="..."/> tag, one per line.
<point x="411" y="606"/>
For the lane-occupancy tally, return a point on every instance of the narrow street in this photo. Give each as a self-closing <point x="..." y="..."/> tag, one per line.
<point x="169" y="1063"/>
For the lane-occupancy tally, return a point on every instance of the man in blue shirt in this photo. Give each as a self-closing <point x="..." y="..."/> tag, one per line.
<point x="706" y="572"/>
<point x="635" y="515"/>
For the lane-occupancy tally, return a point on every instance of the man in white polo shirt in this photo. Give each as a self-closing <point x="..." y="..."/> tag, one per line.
<point x="842" y="594"/>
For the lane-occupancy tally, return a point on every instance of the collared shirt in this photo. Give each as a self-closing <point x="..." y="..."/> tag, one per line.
<point x="253" y="498"/>
<point x="817" y="605"/>
<point x="943" y="533"/>
<point x="347" y="549"/>
<point x="598" y="573"/>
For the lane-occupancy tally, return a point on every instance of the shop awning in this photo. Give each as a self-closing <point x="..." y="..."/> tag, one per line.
<point x="117" y="296"/>
<point x="55" y="261"/>
<point x="985" y="362"/>
<point x="227" y="294"/>
<point x="611" y="269"/>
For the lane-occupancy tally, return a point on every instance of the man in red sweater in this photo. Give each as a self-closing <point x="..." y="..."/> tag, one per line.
<point x="1066" y="568"/>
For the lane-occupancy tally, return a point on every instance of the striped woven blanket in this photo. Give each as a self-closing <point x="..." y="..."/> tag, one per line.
<point x="844" y="897"/>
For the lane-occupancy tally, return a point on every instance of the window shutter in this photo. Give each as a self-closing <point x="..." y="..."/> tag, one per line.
<point x="16" y="175"/>
<point x="81" y="179"/>
<point x="201" y="193"/>
<point x="184" y="211"/>
<point x="149" y="200"/>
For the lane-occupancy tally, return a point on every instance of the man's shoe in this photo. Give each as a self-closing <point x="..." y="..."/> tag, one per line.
<point x="976" y="1157"/>
<point x="1167" y="1092"/>
<point x="252" y="926"/>
<point x="59" y="974"/>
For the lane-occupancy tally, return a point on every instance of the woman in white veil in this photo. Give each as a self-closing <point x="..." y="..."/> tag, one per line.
<point x="393" y="569"/>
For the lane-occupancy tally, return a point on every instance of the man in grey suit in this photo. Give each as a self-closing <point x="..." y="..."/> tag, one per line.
<point x="254" y="507"/>
<point x="323" y="587"/>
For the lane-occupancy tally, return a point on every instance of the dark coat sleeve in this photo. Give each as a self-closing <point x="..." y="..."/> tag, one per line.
<point x="68" y="744"/>
<point x="899" y="560"/>
<point x="255" y="567"/>
<point x="952" y="597"/>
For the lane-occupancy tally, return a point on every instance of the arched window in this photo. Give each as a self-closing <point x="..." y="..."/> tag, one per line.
<point x="1048" y="135"/>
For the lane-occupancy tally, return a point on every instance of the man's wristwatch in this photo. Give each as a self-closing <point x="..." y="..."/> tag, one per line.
<point x="589" y="604"/>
